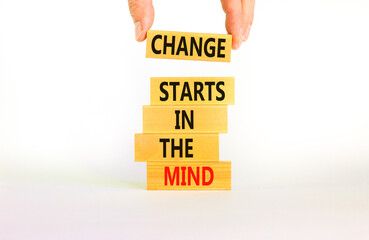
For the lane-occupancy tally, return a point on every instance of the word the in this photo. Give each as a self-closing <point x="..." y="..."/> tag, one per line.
<point x="187" y="147"/>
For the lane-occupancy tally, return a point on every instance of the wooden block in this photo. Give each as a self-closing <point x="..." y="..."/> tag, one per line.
<point x="189" y="46"/>
<point x="188" y="176"/>
<point x="169" y="147"/>
<point x="184" y="119"/>
<point x="192" y="90"/>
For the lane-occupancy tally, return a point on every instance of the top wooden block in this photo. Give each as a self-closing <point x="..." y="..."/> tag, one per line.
<point x="189" y="46"/>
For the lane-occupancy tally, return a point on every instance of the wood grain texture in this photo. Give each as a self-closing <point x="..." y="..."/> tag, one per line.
<point x="194" y="147"/>
<point x="192" y="90"/>
<point x="204" y="119"/>
<point x="183" y="175"/>
<point x="189" y="46"/>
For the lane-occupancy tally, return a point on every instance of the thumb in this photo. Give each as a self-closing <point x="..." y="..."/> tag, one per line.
<point x="233" y="11"/>
<point x="142" y="12"/>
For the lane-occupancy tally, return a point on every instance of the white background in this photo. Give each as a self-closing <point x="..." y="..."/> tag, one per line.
<point x="73" y="82"/>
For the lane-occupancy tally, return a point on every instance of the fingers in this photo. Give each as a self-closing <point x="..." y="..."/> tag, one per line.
<point x="142" y="12"/>
<point x="248" y="7"/>
<point x="239" y="18"/>
<point x="233" y="11"/>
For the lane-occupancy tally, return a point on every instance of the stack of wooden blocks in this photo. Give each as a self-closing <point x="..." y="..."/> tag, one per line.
<point x="180" y="139"/>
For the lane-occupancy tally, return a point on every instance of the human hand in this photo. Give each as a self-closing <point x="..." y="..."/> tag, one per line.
<point x="239" y="18"/>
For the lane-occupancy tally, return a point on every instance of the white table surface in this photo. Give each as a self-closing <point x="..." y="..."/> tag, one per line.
<point x="41" y="209"/>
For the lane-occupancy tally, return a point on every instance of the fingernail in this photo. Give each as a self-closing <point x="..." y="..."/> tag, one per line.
<point x="243" y="36"/>
<point x="247" y="33"/>
<point x="138" y="30"/>
<point x="238" y="40"/>
<point x="237" y="46"/>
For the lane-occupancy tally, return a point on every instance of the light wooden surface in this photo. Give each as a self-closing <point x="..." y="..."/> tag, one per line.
<point x="206" y="119"/>
<point x="192" y="90"/>
<point x="189" y="46"/>
<point x="158" y="147"/>
<point x="164" y="176"/>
